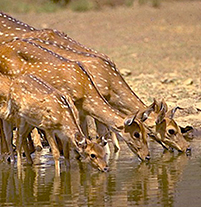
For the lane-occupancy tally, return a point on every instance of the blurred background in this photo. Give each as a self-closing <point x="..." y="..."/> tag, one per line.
<point x="75" y="5"/>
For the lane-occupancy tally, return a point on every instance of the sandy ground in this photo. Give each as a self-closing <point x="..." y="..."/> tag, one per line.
<point x="157" y="50"/>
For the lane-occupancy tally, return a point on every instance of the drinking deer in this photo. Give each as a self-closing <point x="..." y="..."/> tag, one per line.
<point x="128" y="103"/>
<point x="35" y="103"/>
<point x="97" y="64"/>
<point x="117" y="92"/>
<point x="70" y="77"/>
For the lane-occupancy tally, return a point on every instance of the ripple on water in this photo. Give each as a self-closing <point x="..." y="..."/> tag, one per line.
<point x="168" y="179"/>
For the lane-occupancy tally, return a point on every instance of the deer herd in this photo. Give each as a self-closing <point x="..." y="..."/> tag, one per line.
<point x="54" y="85"/>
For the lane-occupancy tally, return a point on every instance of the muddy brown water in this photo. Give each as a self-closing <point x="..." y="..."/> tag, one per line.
<point x="168" y="179"/>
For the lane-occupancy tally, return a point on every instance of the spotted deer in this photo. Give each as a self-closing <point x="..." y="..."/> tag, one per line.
<point x="117" y="92"/>
<point x="32" y="102"/>
<point x="101" y="65"/>
<point x="70" y="77"/>
<point x="12" y="28"/>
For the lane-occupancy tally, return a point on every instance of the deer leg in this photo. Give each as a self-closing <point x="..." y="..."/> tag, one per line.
<point x="8" y="132"/>
<point x="3" y="142"/>
<point x="55" y="152"/>
<point x="23" y="130"/>
<point x="83" y="124"/>
<point x="36" y="140"/>
<point x="88" y="125"/>
<point x="30" y="144"/>
<point x="25" y="146"/>
<point x="66" y="151"/>
<point x="115" y="142"/>
<point x="27" y="152"/>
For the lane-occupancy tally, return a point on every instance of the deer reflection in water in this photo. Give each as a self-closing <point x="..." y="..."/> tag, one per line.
<point x="141" y="185"/>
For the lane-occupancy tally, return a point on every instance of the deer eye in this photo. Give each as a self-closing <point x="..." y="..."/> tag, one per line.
<point x="171" y="131"/>
<point x="93" y="156"/>
<point x="137" y="135"/>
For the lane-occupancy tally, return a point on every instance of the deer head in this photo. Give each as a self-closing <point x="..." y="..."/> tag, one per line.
<point x="95" y="154"/>
<point x="138" y="137"/>
<point x="170" y="132"/>
<point x="166" y="129"/>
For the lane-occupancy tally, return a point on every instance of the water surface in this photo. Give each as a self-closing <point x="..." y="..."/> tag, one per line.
<point x="169" y="179"/>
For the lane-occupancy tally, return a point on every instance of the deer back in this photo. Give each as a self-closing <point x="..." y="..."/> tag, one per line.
<point x="40" y="104"/>
<point x="106" y="76"/>
<point x="11" y="28"/>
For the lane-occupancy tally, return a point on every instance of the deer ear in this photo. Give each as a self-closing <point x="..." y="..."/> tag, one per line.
<point x="160" y="106"/>
<point x="157" y="106"/>
<point x="160" y="116"/>
<point x="103" y="141"/>
<point x="162" y="109"/>
<point x="171" y="113"/>
<point x="129" y="121"/>
<point x="148" y="111"/>
<point x="164" y="106"/>
<point x="80" y="141"/>
<point x="186" y="129"/>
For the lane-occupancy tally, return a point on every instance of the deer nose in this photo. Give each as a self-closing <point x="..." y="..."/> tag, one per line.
<point x="106" y="169"/>
<point x="188" y="151"/>
<point x="147" y="157"/>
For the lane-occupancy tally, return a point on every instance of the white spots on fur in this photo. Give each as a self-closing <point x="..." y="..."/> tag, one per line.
<point x="103" y="79"/>
<point x="94" y="66"/>
<point x="74" y="91"/>
<point x="90" y="86"/>
<point x="74" y="79"/>
<point x="68" y="66"/>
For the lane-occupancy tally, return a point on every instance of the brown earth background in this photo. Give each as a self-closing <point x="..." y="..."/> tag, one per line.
<point x="158" y="50"/>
